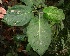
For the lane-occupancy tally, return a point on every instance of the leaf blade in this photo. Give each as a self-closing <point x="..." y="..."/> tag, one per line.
<point x="39" y="35"/>
<point x="18" y="15"/>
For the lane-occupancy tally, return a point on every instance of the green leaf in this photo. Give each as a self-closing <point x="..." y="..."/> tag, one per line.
<point x="53" y="14"/>
<point x="33" y="2"/>
<point x="61" y="2"/>
<point x="28" y="47"/>
<point x="19" y="37"/>
<point x="28" y="2"/>
<point x="32" y="53"/>
<point x="9" y="54"/>
<point x="39" y="35"/>
<point x="63" y="43"/>
<point x="18" y="15"/>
